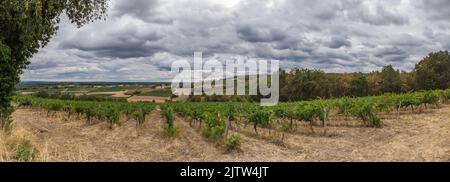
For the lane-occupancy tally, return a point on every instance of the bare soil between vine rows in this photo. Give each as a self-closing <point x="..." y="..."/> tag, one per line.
<point x="408" y="137"/>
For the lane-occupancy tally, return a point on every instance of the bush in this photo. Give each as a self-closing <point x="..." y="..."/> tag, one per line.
<point x="25" y="151"/>
<point x="171" y="131"/>
<point x="215" y="127"/>
<point x="167" y="113"/>
<point x="169" y="128"/>
<point x="214" y="132"/>
<point x="261" y="117"/>
<point x="232" y="142"/>
<point x="366" y="112"/>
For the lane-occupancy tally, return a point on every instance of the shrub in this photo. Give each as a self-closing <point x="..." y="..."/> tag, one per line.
<point x="215" y="127"/>
<point x="167" y="113"/>
<point x="366" y="112"/>
<point x="261" y="117"/>
<point x="25" y="151"/>
<point x="171" y="131"/>
<point x="232" y="142"/>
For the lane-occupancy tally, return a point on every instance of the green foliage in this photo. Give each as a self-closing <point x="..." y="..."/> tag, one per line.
<point x="231" y="113"/>
<point x="304" y="84"/>
<point x="171" y="131"/>
<point x="366" y="111"/>
<point x="232" y="142"/>
<point x="433" y="72"/>
<point x="309" y="112"/>
<point x="430" y="97"/>
<point x="344" y="105"/>
<point x="215" y="126"/>
<point x="390" y="80"/>
<point x="8" y="79"/>
<point x="112" y="115"/>
<point x="446" y="94"/>
<point x="84" y="97"/>
<point x="156" y="93"/>
<point x="25" y="151"/>
<point x="359" y="85"/>
<point x="104" y="111"/>
<point x="167" y="113"/>
<point x="139" y="115"/>
<point x="261" y="117"/>
<point x="26" y="26"/>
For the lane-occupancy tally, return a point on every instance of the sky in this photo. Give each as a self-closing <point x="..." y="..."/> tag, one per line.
<point x="140" y="39"/>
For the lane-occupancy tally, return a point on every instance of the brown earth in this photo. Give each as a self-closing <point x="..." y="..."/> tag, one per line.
<point x="410" y="137"/>
<point x="113" y="94"/>
<point x="148" y="99"/>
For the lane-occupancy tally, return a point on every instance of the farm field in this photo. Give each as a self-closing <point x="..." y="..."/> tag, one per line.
<point x="134" y="91"/>
<point x="412" y="137"/>
<point x="393" y="127"/>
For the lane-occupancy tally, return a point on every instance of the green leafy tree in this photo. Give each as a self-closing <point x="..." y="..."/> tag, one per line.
<point x="26" y="26"/>
<point x="7" y="85"/>
<point x="433" y="72"/>
<point x="305" y="84"/>
<point x="390" y="80"/>
<point x="359" y="85"/>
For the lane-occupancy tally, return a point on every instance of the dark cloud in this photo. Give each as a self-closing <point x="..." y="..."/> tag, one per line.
<point x="141" y="38"/>
<point x="137" y="8"/>
<point x="122" y="43"/>
<point x="43" y="65"/>
<point x="338" y="42"/>
<point x="380" y="16"/>
<point x="436" y="9"/>
<point x="388" y="51"/>
<point x="258" y="34"/>
<point x="146" y="10"/>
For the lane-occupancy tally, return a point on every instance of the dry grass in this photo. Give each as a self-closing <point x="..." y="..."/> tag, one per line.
<point x="9" y="143"/>
<point x="407" y="137"/>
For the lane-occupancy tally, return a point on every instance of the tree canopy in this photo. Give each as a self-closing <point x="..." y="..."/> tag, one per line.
<point x="390" y="79"/>
<point x="433" y="72"/>
<point x="26" y="26"/>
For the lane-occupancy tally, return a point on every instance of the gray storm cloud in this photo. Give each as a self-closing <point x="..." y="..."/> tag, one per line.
<point x="141" y="38"/>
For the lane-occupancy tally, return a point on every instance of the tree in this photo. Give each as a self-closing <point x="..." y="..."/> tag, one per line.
<point x="433" y="72"/>
<point x="26" y="26"/>
<point x="390" y="80"/>
<point x="305" y="84"/>
<point x="359" y="85"/>
<point x="374" y="81"/>
<point x="339" y="84"/>
<point x="407" y="82"/>
<point x="283" y="83"/>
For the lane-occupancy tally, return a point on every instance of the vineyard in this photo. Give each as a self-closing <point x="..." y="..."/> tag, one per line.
<point x="215" y="121"/>
<point x="218" y="118"/>
<point x="111" y="112"/>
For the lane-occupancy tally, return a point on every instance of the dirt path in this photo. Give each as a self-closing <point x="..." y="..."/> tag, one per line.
<point x="412" y="137"/>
